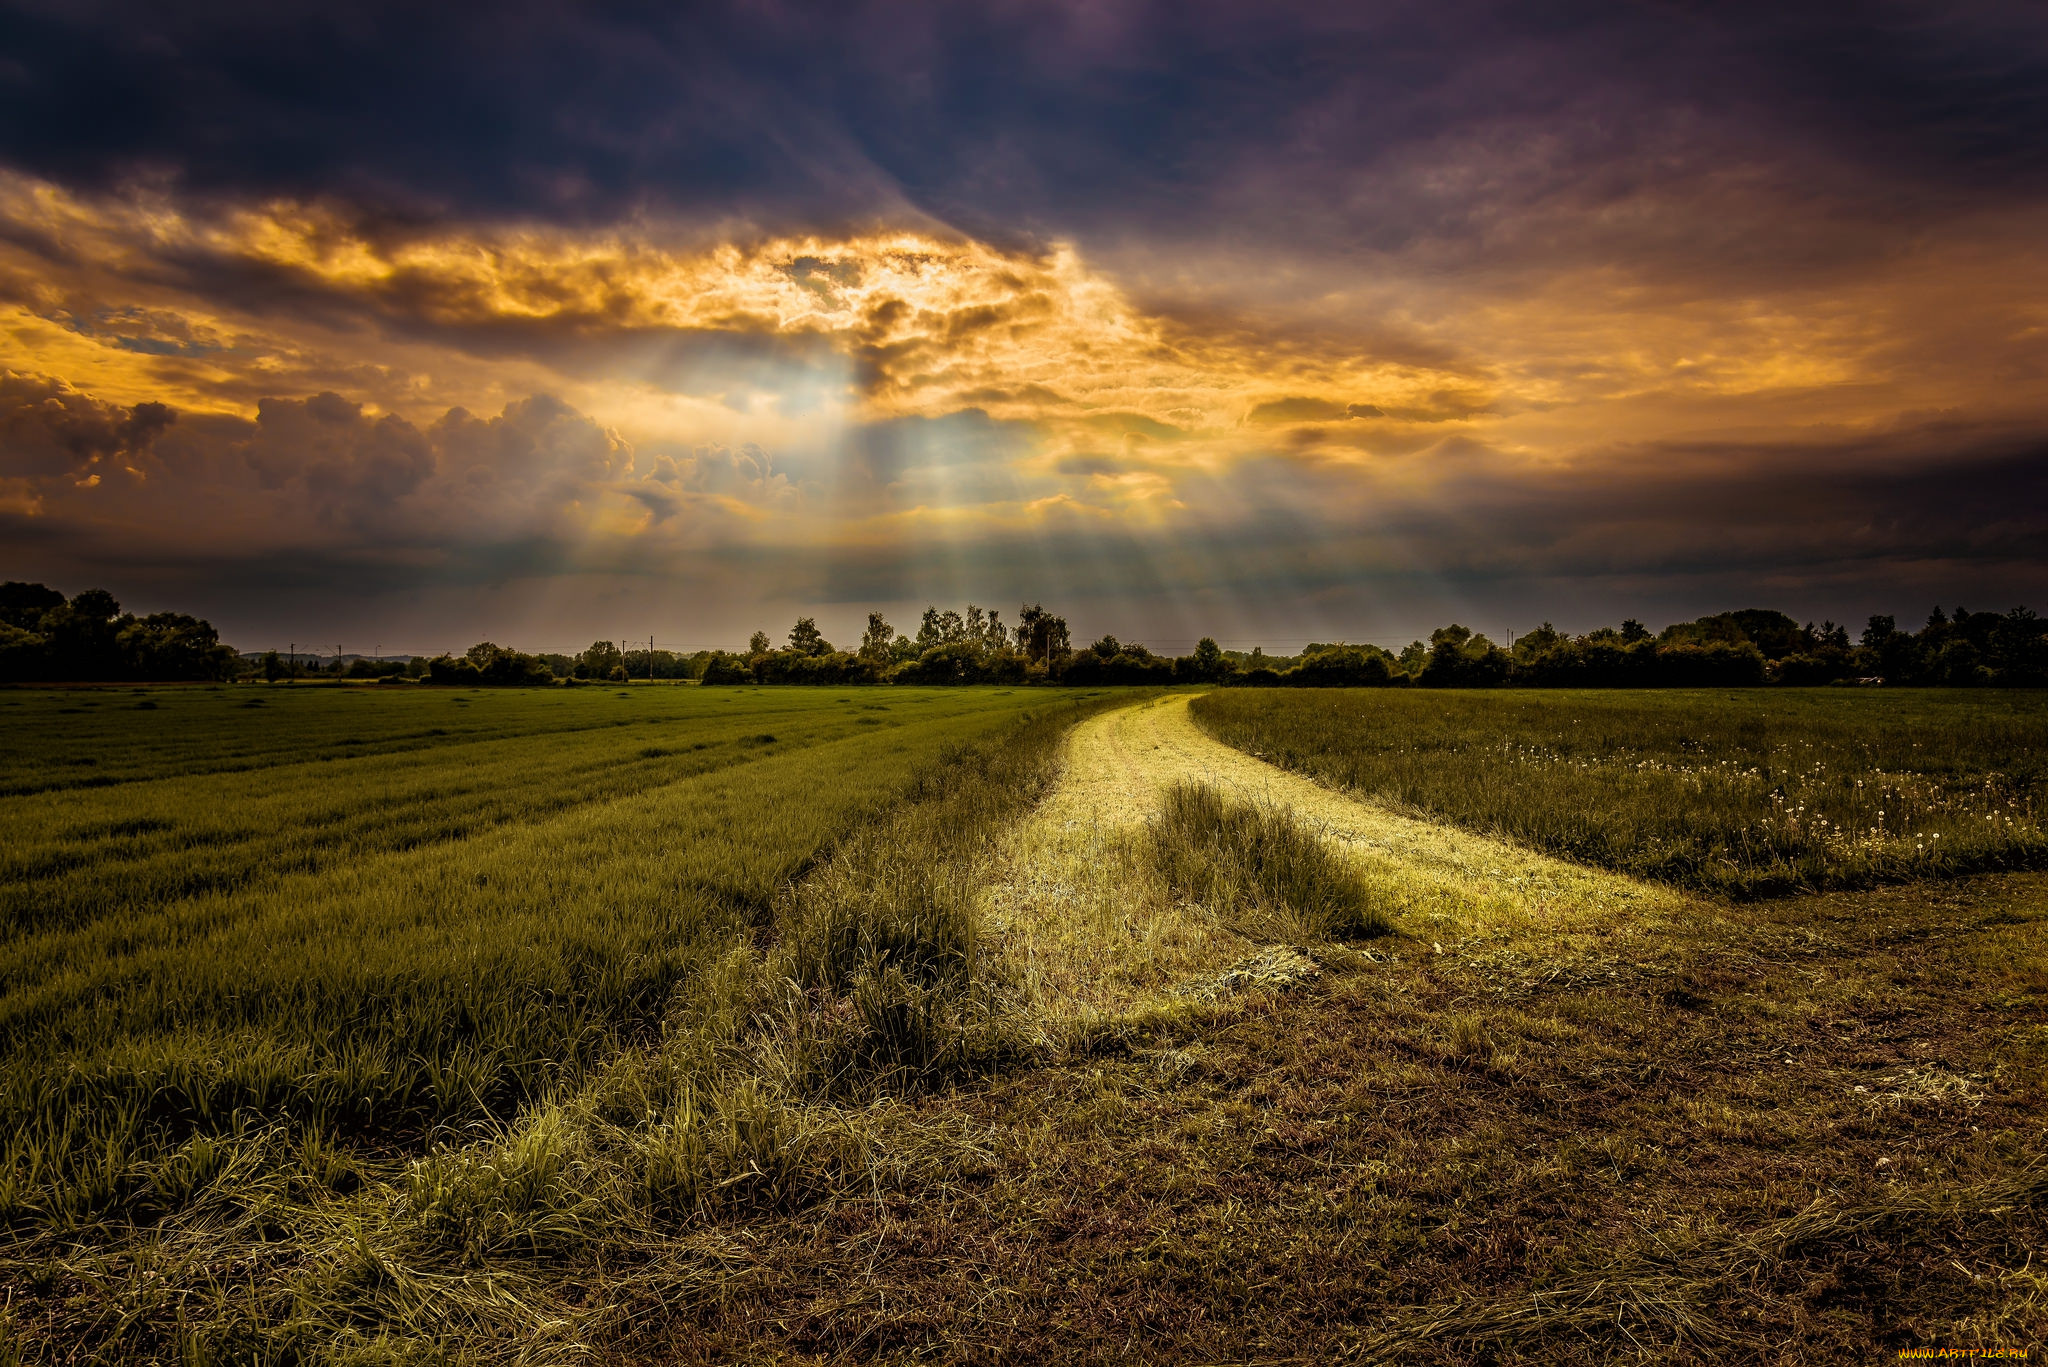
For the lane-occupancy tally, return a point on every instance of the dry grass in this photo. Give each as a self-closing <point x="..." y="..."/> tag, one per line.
<point x="1518" y="1151"/>
<point x="999" y="1093"/>
<point x="1081" y="916"/>
<point x="1562" y="1117"/>
<point x="1074" y="907"/>
<point x="1256" y="867"/>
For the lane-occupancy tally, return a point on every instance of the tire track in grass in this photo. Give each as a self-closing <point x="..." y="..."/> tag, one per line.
<point x="1087" y="932"/>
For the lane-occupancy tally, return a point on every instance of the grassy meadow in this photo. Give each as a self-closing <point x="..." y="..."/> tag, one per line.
<point x="685" y="1025"/>
<point x="348" y="921"/>
<point x="1746" y="793"/>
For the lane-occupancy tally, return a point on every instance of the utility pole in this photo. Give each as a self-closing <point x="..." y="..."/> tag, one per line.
<point x="650" y="659"/>
<point x="291" y="662"/>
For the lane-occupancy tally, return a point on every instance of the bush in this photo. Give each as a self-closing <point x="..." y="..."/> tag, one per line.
<point x="727" y="669"/>
<point x="1342" y="667"/>
<point x="830" y="667"/>
<point x="1721" y="664"/>
<point x="1464" y="661"/>
<point x="486" y="664"/>
<point x="448" y="671"/>
<point x="1130" y="665"/>
<point x="964" y="662"/>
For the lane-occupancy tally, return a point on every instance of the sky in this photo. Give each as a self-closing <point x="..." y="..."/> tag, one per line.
<point x="403" y="326"/>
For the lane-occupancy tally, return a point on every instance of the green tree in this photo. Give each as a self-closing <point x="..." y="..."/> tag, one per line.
<point x="23" y="654"/>
<point x="806" y="639"/>
<point x="876" y="642"/>
<point x="82" y="636"/>
<point x="172" y="645"/>
<point x="984" y="628"/>
<point x="1041" y="635"/>
<point x="759" y="644"/>
<point x="23" y="605"/>
<point x="600" y="660"/>
<point x="1454" y="636"/>
<point x="1206" y="664"/>
<point x="938" y="628"/>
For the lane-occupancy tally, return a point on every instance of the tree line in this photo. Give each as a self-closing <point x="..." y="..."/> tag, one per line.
<point x="1732" y="649"/>
<point x="46" y="637"/>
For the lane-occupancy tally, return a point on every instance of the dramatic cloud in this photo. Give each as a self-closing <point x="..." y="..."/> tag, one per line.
<point x="1314" y="320"/>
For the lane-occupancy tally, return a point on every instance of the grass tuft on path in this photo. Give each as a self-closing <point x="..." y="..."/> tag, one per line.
<point x="1255" y="865"/>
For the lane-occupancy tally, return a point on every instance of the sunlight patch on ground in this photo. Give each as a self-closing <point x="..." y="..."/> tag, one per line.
<point x="1086" y="930"/>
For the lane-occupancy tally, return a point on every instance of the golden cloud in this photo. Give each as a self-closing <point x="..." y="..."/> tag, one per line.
<point x="1128" y="405"/>
<point x="929" y="326"/>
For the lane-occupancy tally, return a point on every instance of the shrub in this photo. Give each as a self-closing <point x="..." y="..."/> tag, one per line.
<point x="727" y="669"/>
<point x="1342" y="666"/>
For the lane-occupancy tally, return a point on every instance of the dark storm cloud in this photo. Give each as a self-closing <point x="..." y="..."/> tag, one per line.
<point x="1264" y="309"/>
<point x="1003" y="117"/>
<point x="124" y="483"/>
<point x="1933" y="501"/>
<point x="47" y="428"/>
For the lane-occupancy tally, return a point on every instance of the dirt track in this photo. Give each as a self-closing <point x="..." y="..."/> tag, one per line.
<point x="1074" y="904"/>
<point x="1119" y="763"/>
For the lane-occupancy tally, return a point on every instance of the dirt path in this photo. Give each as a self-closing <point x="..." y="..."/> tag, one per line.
<point x="1079" y="911"/>
<point x="1120" y="763"/>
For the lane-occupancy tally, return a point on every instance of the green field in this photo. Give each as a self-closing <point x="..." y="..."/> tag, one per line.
<point x="664" y="1024"/>
<point x="369" y="912"/>
<point x="1745" y="793"/>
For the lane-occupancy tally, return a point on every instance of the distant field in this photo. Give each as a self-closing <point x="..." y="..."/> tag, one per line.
<point x="370" y="911"/>
<point x="1747" y="793"/>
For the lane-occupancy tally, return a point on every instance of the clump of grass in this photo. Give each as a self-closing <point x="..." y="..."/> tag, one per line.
<point x="1259" y="866"/>
<point x="1470" y="1041"/>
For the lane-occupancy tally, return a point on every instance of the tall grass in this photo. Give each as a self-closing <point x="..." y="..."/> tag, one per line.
<point x="1748" y="794"/>
<point x="1259" y="866"/>
<point x="734" y="976"/>
<point x="357" y="978"/>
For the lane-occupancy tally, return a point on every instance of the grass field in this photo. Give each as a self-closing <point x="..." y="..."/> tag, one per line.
<point x="677" y="1025"/>
<point x="366" y="913"/>
<point x="1746" y="793"/>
